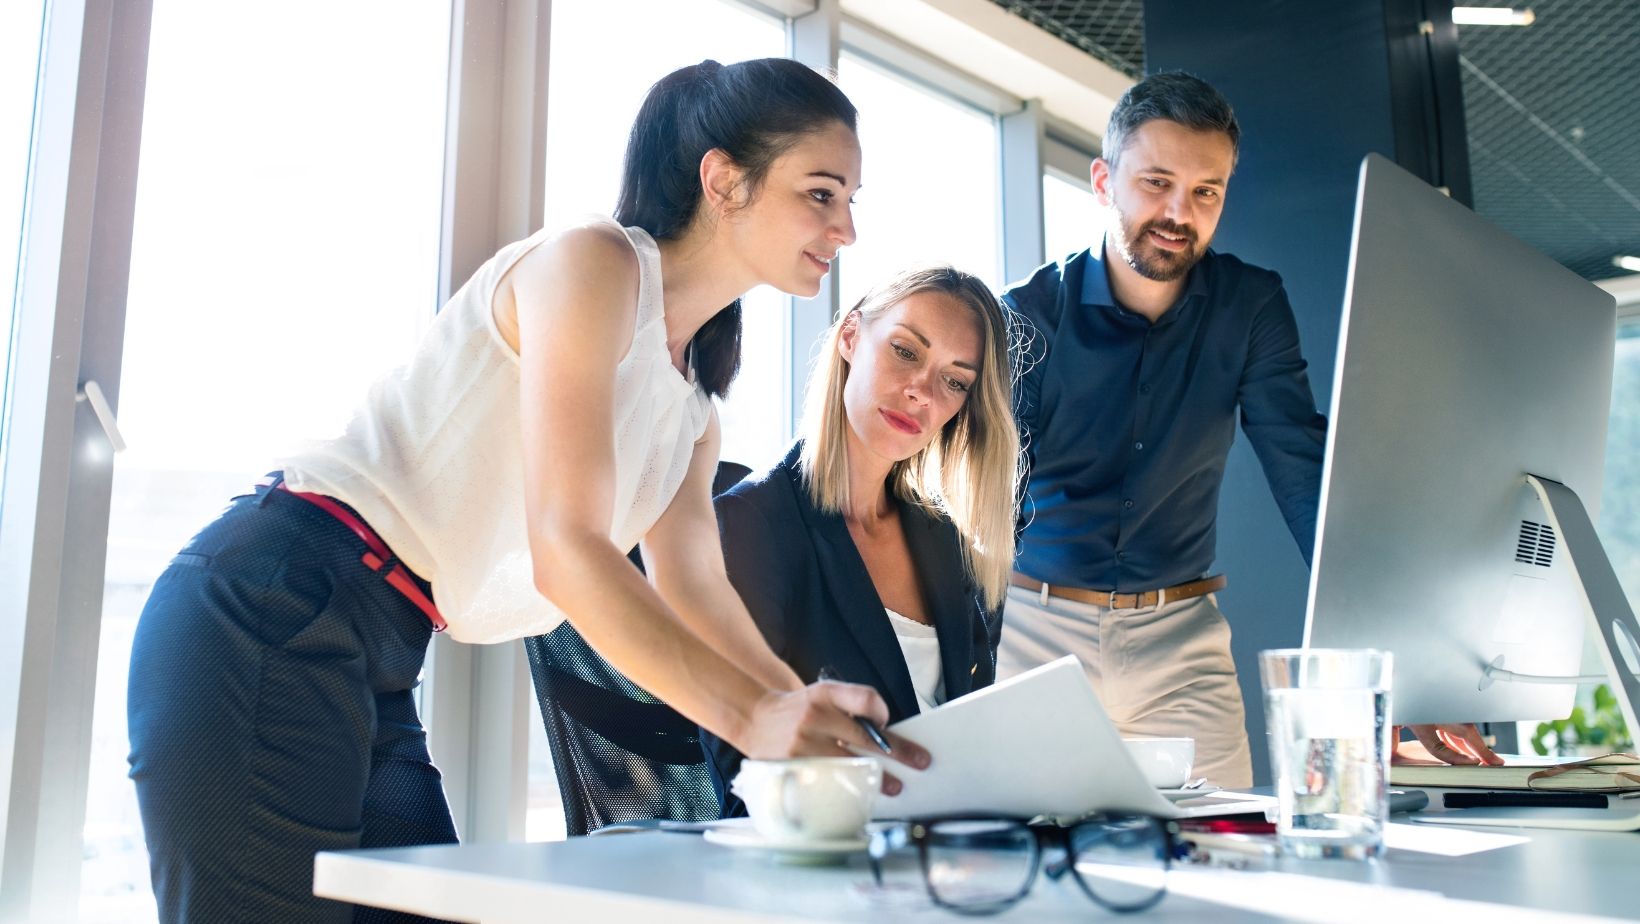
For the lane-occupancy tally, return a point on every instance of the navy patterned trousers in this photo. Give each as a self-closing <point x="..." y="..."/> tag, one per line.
<point x="271" y="716"/>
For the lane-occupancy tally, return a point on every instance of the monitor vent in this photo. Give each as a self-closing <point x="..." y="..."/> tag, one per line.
<point x="1536" y="545"/>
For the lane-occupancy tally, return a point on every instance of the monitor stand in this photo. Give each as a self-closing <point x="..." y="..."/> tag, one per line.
<point x="1613" y="619"/>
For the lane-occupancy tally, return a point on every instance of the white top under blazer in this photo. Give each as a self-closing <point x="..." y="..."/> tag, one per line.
<point x="434" y="461"/>
<point x="920" y="643"/>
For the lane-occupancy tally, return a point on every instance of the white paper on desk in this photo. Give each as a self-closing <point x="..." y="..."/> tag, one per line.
<point x="1446" y="842"/>
<point x="1035" y="744"/>
<point x="1621" y="818"/>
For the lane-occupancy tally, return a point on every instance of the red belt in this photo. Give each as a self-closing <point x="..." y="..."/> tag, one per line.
<point x="379" y="559"/>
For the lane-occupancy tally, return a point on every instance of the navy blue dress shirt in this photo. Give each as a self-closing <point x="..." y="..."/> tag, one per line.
<point x="1127" y="424"/>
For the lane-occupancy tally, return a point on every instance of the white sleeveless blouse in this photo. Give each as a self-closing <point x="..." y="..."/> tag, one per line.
<point x="434" y="461"/>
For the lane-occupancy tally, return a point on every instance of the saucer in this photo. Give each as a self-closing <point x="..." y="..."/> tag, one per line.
<point x="1177" y="794"/>
<point x="740" y="833"/>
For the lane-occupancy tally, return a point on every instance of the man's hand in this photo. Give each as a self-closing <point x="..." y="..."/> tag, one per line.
<point x="819" y="721"/>
<point x="1447" y="744"/>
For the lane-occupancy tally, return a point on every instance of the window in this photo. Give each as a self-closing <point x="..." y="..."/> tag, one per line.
<point x="624" y="48"/>
<point x="1619" y="525"/>
<point x="1070" y="216"/>
<point x="20" y="28"/>
<point x="930" y="185"/>
<point x="1619" y="522"/>
<point x="284" y="254"/>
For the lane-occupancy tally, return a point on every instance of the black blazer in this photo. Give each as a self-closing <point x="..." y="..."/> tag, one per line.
<point x="807" y="587"/>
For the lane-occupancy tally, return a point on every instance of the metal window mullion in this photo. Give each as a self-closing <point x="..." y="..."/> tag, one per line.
<point x="813" y="39"/>
<point x="1021" y="137"/>
<point x="1069" y="162"/>
<point x="54" y="533"/>
<point x="1073" y="140"/>
<point x="476" y="702"/>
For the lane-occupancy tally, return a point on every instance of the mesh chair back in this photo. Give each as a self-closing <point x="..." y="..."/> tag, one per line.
<point x="619" y="753"/>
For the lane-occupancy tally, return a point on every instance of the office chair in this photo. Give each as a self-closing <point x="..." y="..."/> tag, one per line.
<point x="619" y="753"/>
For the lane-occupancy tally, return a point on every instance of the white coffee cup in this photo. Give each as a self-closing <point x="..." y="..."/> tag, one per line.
<point x="1165" y="761"/>
<point x="809" y="798"/>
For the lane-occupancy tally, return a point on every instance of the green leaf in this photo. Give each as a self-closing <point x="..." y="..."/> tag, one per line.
<point x="1603" y="699"/>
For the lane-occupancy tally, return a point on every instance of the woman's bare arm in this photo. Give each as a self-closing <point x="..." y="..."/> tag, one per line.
<point x="574" y="301"/>
<point x="684" y="558"/>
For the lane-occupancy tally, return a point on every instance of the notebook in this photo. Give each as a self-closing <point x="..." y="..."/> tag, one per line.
<point x="1035" y="744"/>
<point x="1608" y="773"/>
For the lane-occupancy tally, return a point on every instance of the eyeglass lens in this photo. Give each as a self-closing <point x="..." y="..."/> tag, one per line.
<point x="980" y="866"/>
<point x="978" y="863"/>
<point x="1121" y="862"/>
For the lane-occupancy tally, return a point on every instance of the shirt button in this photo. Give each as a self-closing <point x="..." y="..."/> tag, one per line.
<point x="1128" y="504"/>
<point x="1144" y="389"/>
<point x="1121" y="556"/>
<point x="1139" y="445"/>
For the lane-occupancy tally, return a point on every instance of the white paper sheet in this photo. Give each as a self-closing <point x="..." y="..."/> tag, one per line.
<point x="1035" y="744"/>
<point x="1314" y="900"/>
<point x="1446" y="842"/>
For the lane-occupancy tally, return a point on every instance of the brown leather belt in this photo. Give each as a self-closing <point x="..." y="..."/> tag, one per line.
<point x="1117" y="601"/>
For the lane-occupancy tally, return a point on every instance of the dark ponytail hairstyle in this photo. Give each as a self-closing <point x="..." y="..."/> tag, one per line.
<point x="754" y="111"/>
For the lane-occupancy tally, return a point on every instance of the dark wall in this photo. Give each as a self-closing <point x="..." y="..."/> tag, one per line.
<point x="1316" y="87"/>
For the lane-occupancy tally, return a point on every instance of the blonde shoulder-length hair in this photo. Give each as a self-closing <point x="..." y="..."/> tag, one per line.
<point x="970" y="471"/>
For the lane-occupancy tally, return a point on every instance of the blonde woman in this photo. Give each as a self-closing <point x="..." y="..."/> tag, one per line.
<point x="878" y="551"/>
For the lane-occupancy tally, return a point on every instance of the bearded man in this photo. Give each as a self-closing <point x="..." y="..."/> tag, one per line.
<point x="1146" y="348"/>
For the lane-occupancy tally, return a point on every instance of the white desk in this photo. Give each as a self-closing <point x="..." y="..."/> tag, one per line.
<point x="1553" y="875"/>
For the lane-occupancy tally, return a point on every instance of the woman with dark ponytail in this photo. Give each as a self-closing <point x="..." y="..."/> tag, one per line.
<point x="558" y="412"/>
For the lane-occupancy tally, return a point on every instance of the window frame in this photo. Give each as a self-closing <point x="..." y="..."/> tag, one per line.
<point x="1068" y="160"/>
<point x="475" y="698"/>
<point x="70" y="328"/>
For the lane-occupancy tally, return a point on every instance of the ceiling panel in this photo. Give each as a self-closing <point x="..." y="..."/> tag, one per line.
<point x="1110" y="30"/>
<point x="1553" y="112"/>
<point x="1554" y="129"/>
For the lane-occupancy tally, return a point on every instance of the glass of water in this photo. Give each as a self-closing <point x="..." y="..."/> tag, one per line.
<point x="1327" y="714"/>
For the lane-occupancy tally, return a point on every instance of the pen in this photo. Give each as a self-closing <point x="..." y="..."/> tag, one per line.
<point x="1226" y="826"/>
<point x="871" y="731"/>
<point x="875" y="735"/>
<point x="1206" y="847"/>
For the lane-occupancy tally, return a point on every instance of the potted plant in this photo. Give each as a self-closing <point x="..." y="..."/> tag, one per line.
<point x="1587" y="732"/>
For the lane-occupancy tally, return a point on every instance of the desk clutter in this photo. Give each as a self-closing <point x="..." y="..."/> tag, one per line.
<point x="1222" y="867"/>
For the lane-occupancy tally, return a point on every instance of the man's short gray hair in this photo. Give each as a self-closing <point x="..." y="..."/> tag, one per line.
<point x="1175" y="96"/>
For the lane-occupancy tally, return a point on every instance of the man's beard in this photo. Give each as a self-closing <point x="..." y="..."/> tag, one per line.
<point x="1151" y="261"/>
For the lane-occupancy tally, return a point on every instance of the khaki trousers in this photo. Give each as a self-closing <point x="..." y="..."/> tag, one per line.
<point x="1160" y="672"/>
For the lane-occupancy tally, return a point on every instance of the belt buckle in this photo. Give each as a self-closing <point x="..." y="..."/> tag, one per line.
<point x="1135" y="600"/>
<point x="1043" y="593"/>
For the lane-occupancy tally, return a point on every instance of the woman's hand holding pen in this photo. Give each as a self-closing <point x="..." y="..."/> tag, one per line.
<point x="821" y="720"/>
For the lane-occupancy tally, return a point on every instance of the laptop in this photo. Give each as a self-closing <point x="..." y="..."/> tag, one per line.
<point x="1035" y="744"/>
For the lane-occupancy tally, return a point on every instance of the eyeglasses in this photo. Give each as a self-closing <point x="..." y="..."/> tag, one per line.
<point x="974" y="865"/>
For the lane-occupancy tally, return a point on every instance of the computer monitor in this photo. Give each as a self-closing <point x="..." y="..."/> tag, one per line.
<point x="1469" y="413"/>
